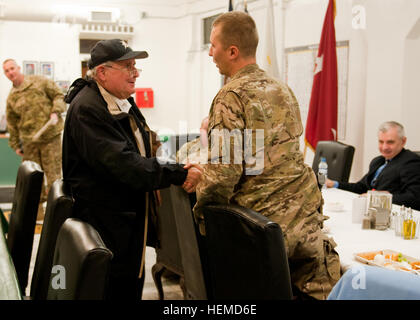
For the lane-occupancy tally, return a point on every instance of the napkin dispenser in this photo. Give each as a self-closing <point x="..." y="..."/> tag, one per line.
<point x="380" y="202"/>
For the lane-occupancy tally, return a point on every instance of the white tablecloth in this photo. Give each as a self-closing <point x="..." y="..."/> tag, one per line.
<point x="351" y="238"/>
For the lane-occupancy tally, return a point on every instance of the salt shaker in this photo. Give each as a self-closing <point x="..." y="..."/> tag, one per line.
<point x="369" y="219"/>
<point x="392" y="220"/>
<point x="366" y="222"/>
<point x="372" y="216"/>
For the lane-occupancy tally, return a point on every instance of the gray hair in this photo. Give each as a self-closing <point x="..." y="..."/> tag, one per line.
<point x="384" y="127"/>
<point x="91" y="73"/>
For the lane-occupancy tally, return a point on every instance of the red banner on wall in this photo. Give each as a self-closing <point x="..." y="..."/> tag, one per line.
<point x="321" y="123"/>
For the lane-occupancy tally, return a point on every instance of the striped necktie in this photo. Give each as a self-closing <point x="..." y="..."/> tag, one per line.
<point x="377" y="173"/>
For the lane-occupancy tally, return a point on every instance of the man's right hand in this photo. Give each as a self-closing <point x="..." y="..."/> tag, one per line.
<point x="19" y="152"/>
<point x="329" y="183"/>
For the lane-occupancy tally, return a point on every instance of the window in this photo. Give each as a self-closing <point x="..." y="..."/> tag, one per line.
<point x="207" y="23"/>
<point x="87" y="44"/>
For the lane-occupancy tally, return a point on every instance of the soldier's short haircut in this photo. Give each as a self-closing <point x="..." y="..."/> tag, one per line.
<point x="7" y="60"/>
<point x="384" y="127"/>
<point x="238" y="29"/>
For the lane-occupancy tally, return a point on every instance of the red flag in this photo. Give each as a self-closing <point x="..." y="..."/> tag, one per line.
<point x="321" y="123"/>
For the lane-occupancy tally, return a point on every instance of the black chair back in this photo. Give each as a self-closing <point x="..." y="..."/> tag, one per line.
<point x="246" y="255"/>
<point x="194" y="282"/>
<point x="168" y="254"/>
<point x="339" y="158"/>
<point x="59" y="206"/>
<point x="82" y="259"/>
<point x="21" y="229"/>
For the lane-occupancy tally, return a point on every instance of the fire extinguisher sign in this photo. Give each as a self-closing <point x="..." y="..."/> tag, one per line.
<point x="144" y="97"/>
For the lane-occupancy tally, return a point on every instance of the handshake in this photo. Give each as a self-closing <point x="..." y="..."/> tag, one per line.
<point x="194" y="175"/>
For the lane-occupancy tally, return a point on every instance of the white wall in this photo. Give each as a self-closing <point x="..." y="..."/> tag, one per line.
<point x="388" y="26"/>
<point x="39" y="41"/>
<point x="163" y="70"/>
<point x="411" y="87"/>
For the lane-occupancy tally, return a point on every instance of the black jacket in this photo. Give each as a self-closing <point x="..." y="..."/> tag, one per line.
<point x="401" y="177"/>
<point x="107" y="175"/>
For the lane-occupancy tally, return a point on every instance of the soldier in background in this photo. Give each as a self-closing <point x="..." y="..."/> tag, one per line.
<point x="284" y="189"/>
<point x="32" y="102"/>
<point x="192" y="151"/>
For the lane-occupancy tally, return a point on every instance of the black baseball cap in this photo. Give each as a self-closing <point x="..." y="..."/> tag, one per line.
<point x="113" y="50"/>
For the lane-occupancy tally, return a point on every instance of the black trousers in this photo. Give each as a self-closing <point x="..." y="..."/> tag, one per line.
<point x="122" y="233"/>
<point x="124" y="288"/>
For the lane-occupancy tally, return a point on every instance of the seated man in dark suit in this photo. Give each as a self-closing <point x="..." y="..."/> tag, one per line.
<point x="397" y="170"/>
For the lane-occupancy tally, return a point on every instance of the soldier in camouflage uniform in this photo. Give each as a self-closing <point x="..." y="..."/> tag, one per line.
<point x="284" y="189"/>
<point x="31" y="103"/>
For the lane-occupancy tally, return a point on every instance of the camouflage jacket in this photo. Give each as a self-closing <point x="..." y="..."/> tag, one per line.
<point x="192" y="152"/>
<point x="29" y="107"/>
<point x="272" y="177"/>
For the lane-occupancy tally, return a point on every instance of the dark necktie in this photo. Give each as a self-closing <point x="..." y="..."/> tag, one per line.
<point x="377" y="173"/>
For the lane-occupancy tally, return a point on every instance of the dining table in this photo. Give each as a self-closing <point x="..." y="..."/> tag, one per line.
<point x="362" y="279"/>
<point x="9" y="284"/>
<point x="351" y="238"/>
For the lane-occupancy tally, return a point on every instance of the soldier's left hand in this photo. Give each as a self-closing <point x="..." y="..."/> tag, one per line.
<point x="54" y="118"/>
<point x="194" y="175"/>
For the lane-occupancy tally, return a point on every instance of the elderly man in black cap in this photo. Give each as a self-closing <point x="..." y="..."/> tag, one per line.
<point x="109" y="162"/>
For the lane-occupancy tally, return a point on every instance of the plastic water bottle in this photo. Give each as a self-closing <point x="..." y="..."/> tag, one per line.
<point x="163" y="153"/>
<point x="322" y="172"/>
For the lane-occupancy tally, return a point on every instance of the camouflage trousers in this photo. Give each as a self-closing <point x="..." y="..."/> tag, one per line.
<point x="313" y="262"/>
<point x="48" y="156"/>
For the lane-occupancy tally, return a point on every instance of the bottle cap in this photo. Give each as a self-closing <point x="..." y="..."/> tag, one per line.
<point x="163" y="138"/>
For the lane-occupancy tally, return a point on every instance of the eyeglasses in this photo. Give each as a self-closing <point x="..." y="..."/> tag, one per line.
<point x="131" y="70"/>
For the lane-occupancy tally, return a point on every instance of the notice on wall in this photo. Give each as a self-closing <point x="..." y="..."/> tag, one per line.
<point x="300" y="63"/>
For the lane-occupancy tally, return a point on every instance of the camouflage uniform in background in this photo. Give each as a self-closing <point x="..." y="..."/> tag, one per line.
<point x="286" y="190"/>
<point x="28" y="108"/>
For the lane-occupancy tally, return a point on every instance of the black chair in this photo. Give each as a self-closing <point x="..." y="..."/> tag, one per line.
<point x="245" y="255"/>
<point x="59" y="206"/>
<point x="168" y="255"/>
<point x="339" y="158"/>
<point x="82" y="259"/>
<point x="182" y="139"/>
<point x="194" y="283"/>
<point x="21" y="229"/>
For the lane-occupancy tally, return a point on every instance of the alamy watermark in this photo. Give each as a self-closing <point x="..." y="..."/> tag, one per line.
<point x="358" y="281"/>
<point x="58" y="281"/>
<point x="226" y="147"/>
<point x="359" y="17"/>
